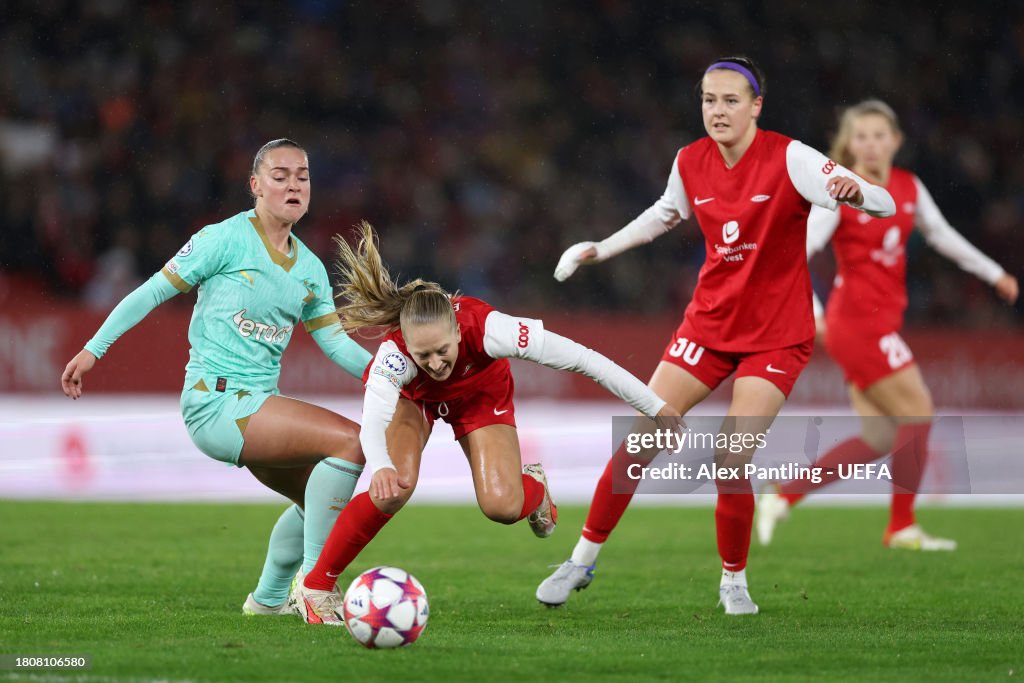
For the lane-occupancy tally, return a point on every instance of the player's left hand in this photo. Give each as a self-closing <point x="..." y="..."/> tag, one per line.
<point x="1007" y="289"/>
<point x="845" y="191"/>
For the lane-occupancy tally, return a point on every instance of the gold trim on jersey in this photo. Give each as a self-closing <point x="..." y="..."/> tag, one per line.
<point x="242" y="423"/>
<point x="176" y="281"/>
<point x="309" y="297"/>
<point x="323" y="321"/>
<point x="201" y="386"/>
<point x="277" y="257"/>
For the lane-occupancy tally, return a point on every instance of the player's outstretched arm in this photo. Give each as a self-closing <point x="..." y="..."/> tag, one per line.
<point x="658" y="219"/>
<point x="512" y="337"/>
<point x="342" y="349"/>
<point x="126" y="315"/>
<point x="945" y="239"/>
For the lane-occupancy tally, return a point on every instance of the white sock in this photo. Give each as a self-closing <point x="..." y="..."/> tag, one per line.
<point x="734" y="578"/>
<point x="585" y="552"/>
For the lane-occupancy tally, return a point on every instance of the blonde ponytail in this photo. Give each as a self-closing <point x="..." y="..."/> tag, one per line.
<point x="372" y="299"/>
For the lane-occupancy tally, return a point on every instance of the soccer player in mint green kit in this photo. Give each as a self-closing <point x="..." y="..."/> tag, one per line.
<point x="257" y="281"/>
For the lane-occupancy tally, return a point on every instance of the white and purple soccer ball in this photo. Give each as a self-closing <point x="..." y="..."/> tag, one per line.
<point x="385" y="607"/>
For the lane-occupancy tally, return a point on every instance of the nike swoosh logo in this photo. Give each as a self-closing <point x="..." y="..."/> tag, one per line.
<point x="333" y="576"/>
<point x="698" y="202"/>
<point x="500" y="412"/>
<point x="771" y="369"/>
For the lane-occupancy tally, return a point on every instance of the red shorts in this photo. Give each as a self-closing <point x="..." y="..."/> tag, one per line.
<point x="781" y="367"/>
<point x="491" y="404"/>
<point x="866" y="356"/>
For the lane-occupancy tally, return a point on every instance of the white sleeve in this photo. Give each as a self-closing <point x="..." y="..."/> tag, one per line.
<point x="821" y="225"/>
<point x="944" y="239"/>
<point x="390" y="371"/>
<point x="659" y="218"/>
<point x="810" y="170"/>
<point x="509" y="337"/>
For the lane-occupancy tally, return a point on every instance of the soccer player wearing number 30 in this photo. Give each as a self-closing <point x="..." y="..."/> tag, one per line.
<point x="443" y="357"/>
<point x="865" y="313"/>
<point x="751" y="314"/>
<point x="257" y="281"/>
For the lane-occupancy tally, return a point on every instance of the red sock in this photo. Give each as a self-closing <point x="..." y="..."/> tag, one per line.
<point x="356" y="526"/>
<point x="607" y="507"/>
<point x="909" y="456"/>
<point x="854" y="451"/>
<point x="734" y="518"/>
<point x="533" y="495"/>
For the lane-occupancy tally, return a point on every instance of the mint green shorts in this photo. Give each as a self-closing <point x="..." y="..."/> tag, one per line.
<point x="216" y="420"/>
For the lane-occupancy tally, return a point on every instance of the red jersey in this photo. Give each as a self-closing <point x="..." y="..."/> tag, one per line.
<point x="754" y="290"/>
<point x="871" y="260"/>
<point x="473" y="369"/>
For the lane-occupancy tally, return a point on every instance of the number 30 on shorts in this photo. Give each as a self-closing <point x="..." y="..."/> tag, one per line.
<point x="895" y="349"/>
<point x="688" y="350"/>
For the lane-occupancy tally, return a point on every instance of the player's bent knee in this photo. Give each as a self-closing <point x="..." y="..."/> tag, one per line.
<point x="881" y="442"/>
<point x="503" y="510"/>
<point x="345" y="440"/>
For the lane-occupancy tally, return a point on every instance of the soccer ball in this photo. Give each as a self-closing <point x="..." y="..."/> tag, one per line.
<point x="385" y="607"/>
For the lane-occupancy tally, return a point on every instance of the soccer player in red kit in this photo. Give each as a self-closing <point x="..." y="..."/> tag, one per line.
<point x="861" y="325"/>
<point x="751" y="312"/>
<point x="443" y="357"/>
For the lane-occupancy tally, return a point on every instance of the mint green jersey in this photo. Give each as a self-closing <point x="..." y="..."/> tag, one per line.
<point x="250" y="299"/>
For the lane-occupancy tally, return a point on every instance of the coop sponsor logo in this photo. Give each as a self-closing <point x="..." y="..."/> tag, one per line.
<point x="524" y="336"/>
<point x="260" y="331"/>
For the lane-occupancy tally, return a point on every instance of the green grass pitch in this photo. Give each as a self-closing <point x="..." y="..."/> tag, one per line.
<point x="153" y="592"/>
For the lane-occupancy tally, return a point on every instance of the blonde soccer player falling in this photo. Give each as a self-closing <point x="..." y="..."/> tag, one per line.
<point x="443" y="357"/>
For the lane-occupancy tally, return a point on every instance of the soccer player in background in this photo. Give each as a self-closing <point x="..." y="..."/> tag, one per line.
<point x="861" y="325"/>
<point x="257" y="281"/>
<point x="443" y="357"/>
<point x="751" y="313"/>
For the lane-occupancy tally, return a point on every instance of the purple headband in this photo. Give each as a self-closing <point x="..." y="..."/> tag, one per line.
<point x="733" y="66"/>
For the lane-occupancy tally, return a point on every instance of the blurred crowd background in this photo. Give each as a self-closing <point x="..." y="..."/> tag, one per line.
<point x="480" y="138"/>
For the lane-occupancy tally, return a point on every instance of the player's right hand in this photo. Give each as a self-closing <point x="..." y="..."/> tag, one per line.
<point x="670" y="418"/>
<point x="71" y="380"/>
<point x="581" y="253"/>
<point x="386" y="485"/>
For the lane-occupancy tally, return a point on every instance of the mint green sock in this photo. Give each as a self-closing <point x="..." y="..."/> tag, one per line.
<point x="328" y="490"/>
<point x="284" y="555"/>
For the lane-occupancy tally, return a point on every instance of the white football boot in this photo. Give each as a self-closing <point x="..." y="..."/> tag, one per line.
<point x="736" y="599"/>
<point x="554" y="590"/>
<point x="914" y="537"/>
<point x="543" y="519"/>
<point x="771" y="509"/>
<point x="316" y="607"/>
